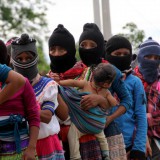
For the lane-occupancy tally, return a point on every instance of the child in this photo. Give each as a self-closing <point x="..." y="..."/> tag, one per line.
<point x="103" y="77"/>
<point x="133" y="123"/>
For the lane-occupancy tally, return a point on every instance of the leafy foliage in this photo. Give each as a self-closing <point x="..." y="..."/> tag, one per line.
<point x="25" y="16"/>
<point x="133" y="34"/>
<point x="17" y="17"/>
<point x="43" y="66"/>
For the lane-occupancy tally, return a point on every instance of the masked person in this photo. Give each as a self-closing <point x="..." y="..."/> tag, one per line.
<point x="91" y="51"/>
<point x="24" y="59"/>
<point x="133" y="123"/>
<point x="83" y="70"/>
<point x="148" y="72"/>
<point x="62" y="53"/>
<point x="19" y="116"/>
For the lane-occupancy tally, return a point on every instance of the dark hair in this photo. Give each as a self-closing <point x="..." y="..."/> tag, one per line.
<point x="104" y="73"/>
<point x="4" y="57"/>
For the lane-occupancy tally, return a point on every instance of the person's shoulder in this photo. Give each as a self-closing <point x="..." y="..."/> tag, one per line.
<point x="48" y="81"/>
<point x="135" y="81"/>
<point x="134" y="77"/>
<point x="4" y="67"/>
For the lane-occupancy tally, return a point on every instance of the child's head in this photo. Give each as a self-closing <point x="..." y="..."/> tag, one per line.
<point x="104" y="75"/>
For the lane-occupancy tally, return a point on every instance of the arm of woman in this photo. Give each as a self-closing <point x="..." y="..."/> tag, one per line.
<point x="93" y="100"/>
<point x="112" y="101"/>
<point x="14" y="81"/>
<point x="121" y="110"/>
<point x="119" y="87"/>
<point x="32" y="114"/>
<point x="139" y="143"/>
<point x="31" y="108"/>
<point x="45" y="116"/>
<point x="49" y="101"/>
<point x="30" y="152"/>
<point x="62" y="109"/>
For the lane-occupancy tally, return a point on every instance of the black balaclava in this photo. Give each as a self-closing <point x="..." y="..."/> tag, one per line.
<point x="4" y="57"/>
<point x="25" y="44"/>
<point x="62" y="37"/>
<point x="118" y="42"/>
<point x="149" y="68"/>
<point x="91" y="56"/>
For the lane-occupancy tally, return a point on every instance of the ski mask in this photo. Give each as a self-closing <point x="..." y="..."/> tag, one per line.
<point x="25" y="44"/>
<point x="62" y="37"/>
<point x="94" y="55"/>
<point x="118" y="42"/>
<point x="149" y="68"/>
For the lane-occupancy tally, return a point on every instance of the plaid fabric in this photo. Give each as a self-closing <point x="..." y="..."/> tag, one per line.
<point x="153" y="105"/>
<point x="115" y="142"/>
<point x="116" y="147"/>
<point x="90" y="150"/>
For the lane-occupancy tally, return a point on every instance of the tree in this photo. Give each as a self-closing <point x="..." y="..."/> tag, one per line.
<point x="43" y="66"/>
<point x="133" y="34"/>
<point x="25" y="16"/>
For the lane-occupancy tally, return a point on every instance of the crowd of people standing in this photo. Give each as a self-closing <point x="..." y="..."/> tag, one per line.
<point x="98" y="108"/>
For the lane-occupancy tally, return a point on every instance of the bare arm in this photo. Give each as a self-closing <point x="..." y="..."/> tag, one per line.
<point x="30" y="152"/>
<point x="93" y="100"/>
<point x="13" y="83"/>
<point x="121" y="110"/>
<point x="72" y="83"/>
<point x="62" y="109"/>
<point x="45" y="116"/>
<point x="148" y="148"/>
<point x="111" y="100"/>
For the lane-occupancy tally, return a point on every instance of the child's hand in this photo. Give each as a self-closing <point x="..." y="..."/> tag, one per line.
<point x="108" y="93"/>
<point x="55" y="77"/>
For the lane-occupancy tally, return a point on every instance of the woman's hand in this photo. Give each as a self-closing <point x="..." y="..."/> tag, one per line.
<point x="93" y="100"/>
<point x="29" y="154"/>
<point x="108" y="120"/>
<point x="148" y="148"/>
